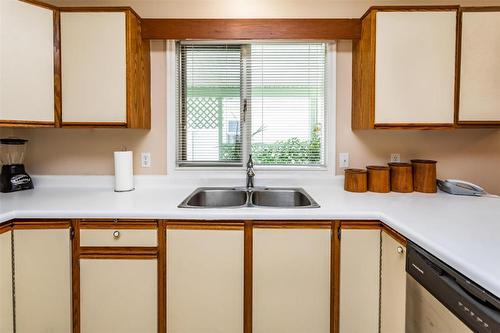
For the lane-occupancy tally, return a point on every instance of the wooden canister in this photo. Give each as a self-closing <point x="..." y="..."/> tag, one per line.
<point x="424" y="176"/>
<point x="378" y="179"/>
<point x="401" y="177"/>
<point x="355" y="180"/>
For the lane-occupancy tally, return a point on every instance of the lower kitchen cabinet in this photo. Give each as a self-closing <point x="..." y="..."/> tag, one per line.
<point x="392" y="285"/>
<point x="205" y="280"/>
<point x="6" y="300"/>
<point x="118" y="295"/>
<point x="42" y="275"/>
<point x="359" y="280"/>
<point x="291" y="280"/>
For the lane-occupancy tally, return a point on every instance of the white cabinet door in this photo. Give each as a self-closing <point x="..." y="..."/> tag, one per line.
<point x="291" y="280"/>
<point x="359" y="280"/>
<point x="6" y="301"/>
<point x="26" y="62"/>
<point x="93" y="51"/>
<point x="415" y="67"/>
<point x="42" y="261"/>
<point x="392" y="285"/>
<point x="204" y="281"/>
<point x="480" y="68"/>
<point x="118" y="295"/>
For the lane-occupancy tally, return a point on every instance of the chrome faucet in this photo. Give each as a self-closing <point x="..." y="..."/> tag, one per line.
<point x="250" y="172"/>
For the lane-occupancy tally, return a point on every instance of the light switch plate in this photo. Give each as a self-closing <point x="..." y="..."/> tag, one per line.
<point x="146" y="160"/>
<point x="343" y="160"/>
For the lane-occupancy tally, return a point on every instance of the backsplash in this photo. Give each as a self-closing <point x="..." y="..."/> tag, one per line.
<point x="469" y="154"/>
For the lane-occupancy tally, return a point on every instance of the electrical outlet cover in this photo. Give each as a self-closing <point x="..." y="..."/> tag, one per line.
<point x="343" y="160"/>
<point x="395" y="158"/>
<point x="146" y="160"/>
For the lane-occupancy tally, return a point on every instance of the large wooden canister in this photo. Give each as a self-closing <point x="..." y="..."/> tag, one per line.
<point x="355" y="180"/>
<point x="378" y="179"/>
<point x="401" y="177"/>
<point x="424" y="176"/>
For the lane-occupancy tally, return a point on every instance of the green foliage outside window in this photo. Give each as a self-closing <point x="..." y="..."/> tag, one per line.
<point x="293" y="151"/>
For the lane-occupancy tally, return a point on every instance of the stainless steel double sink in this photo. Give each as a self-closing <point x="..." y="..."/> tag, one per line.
<point x="235" y="197"/>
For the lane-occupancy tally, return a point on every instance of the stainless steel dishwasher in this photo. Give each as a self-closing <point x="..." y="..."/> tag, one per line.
<point x="477" y="308"/>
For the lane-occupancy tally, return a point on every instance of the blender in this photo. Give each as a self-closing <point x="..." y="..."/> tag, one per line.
<point x="13" y="177"/>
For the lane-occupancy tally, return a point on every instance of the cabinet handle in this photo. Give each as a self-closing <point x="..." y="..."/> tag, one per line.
<point x="116" y="234"/>
<point x="400" y="250"/>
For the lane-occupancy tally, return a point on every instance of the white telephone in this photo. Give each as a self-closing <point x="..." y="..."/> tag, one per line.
<point x="460" y="187"/>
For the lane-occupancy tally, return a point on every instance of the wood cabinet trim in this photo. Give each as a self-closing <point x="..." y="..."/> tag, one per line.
<point x="57" y="70"/>
<point x="361" y="224"/>
<point x="335" y="278"/>
<point x="162" y="278"/>
<point x="40" y="224"/>
<point x="100" y="9"/>
<point x="75" y="275"/>
<point x="363" y="74"/>
<point x="40" y="4"/>
<point x="118" y="224"/>
<point x="192" y="225"/>
<point x="414" y="8"/>
<point x="26" y="123"/>
<point x="248" y="277"/>
<point x="5" y="228"/>
<point x="103" y="252"/>
<point x="420" y="126"/>
<point x="94" y="124"/>
<point x="227" y="29"/>
<point x="291" y="224"/>
<point x="394" y="235"/>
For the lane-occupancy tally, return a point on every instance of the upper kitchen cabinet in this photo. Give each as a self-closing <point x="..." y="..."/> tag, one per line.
<point x="404" y="68"/>
<point x="105" y="69"/>
<point x="479" y="67"/>
<point x="26" y="64"/>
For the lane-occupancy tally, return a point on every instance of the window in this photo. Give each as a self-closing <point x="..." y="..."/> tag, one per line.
<point x="267" y="99"/>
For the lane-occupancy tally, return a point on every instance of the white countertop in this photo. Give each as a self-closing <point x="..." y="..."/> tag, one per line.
<point x="464" y="232"/>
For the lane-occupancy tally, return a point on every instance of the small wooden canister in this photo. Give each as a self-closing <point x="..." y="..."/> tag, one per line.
<point x="355" y="180"/>
<point x="401" y="177"/>
<point x="378" y="179"/>
<point x="424" y="176"/>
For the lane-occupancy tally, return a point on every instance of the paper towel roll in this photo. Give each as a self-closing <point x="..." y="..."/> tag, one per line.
<point x="124" y="171"/>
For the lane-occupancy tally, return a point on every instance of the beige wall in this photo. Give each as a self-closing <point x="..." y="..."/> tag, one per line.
<point x="472" y="155"/>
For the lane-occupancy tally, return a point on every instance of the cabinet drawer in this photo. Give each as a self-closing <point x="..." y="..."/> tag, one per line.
<point x="118" y="237"/>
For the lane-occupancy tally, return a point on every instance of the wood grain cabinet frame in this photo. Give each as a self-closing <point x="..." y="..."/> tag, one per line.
<point x="478" y="68"/>
<point x="385" y="95"/>
<point x="29" y="40"/>
<point x="189" y="240"/>
<point x="117" y="257"/>
<point x="130" y="104"/>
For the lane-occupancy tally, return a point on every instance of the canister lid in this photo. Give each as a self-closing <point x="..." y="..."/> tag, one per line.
<point x="355" y="170"/>
<point x="399" y="164"/>
<point x="13" y="141"/>
<point x="424" y="161"/>
<point x="377" y="167"/>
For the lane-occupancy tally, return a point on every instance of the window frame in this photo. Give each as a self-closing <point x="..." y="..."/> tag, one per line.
<point x="228" y="170"/>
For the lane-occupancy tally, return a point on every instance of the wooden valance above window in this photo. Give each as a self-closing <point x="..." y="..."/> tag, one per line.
<point x="255" y="29"/>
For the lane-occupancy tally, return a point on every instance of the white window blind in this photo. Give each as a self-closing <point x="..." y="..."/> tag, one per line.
<point x="267" y="99"/>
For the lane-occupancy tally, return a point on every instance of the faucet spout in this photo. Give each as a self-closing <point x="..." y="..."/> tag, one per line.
<point x="250" y="172"/>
